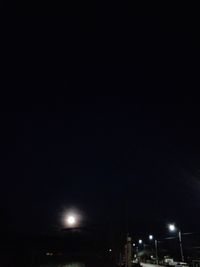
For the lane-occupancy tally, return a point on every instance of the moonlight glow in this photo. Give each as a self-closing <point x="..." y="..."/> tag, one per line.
<point x="71" y="220"/>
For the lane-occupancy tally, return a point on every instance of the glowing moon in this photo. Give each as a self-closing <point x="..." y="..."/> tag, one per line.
<point x="71" y="220"/>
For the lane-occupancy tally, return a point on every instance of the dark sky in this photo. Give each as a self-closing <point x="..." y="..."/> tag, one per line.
<point x="117" y="157"/>
<point x="113" y="158"/>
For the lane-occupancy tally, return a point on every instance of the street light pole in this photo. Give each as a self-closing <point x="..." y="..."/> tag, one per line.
<point x="181" y="246"/>
<point x="151" y="237"/>
<point x="156" y="250"/>
<point x="173" y="228"/>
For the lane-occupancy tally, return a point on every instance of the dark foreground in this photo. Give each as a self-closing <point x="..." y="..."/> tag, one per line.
<point x="26" y="259"/>
<point x="22" y="262"/>
<point x="74" y="249"/>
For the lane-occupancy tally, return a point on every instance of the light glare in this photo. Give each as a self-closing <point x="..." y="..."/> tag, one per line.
<point x="150" y="237"/>
<point x="71" y="220"/>
<point x="172" y="227"/>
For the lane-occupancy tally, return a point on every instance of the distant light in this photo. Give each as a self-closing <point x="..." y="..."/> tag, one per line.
<point x="49" y="254"/>
<point x="140" y="241"/>
<point x="151" y="256"/>
<point x="172" y="227"/>
<point x="150" y="237"/>
<point x="110" y="250"/>
<point x="133" y="244"/>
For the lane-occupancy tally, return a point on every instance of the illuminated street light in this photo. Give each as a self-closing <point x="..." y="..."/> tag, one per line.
<point x="133" y="244"/>
<point x="140" y="241"/>
<point x="150" y="237"/>
<point x="172" y="227"/>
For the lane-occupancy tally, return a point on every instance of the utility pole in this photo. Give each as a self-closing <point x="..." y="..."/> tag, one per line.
<point x="128" y="252"/>
<point x="156" y="250"/>
<point x="173" y="228"/>
<point x="181" y="246"/>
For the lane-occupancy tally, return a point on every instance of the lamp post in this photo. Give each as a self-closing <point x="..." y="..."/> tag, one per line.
<point x="156" y="250"/>
<point x="140" y="242"/>
<point x="173" y="228"/>
<point x="156" y="246"/>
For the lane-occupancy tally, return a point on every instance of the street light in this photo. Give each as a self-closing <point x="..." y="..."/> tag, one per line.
<point x="173" y="228"/>
<point x="156" y="247"/>
<point x="140" y="242"/>
<point x="150" y="237"/>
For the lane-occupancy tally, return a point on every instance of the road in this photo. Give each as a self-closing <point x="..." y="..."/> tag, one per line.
<point x="63" y="265"/>
<point x="97" y="264"/>
<point x="150" y="265"/>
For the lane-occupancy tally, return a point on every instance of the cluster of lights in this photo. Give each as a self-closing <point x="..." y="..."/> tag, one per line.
<point x="171" y="227"/>
<point x="71" y="220"/>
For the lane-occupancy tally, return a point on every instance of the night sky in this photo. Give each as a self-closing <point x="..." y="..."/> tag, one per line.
<point x="120" y="158"/>
<point x="110" y="157"/>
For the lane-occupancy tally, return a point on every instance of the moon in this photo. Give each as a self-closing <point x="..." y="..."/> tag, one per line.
<point x="71" y="220"/>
